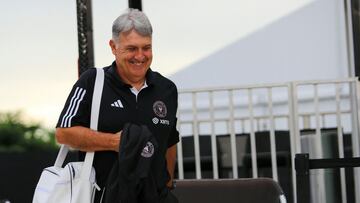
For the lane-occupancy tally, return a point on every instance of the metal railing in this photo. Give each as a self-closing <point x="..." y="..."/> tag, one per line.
<point x="291" y="106"/>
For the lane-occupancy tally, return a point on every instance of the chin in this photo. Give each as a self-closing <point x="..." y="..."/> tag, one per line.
<point x="139" y="73"/>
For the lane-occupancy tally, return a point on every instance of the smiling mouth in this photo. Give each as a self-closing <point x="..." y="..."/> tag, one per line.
<point x="137" y="63"/>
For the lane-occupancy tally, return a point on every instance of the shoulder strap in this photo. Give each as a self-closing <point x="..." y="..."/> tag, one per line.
<point x="95" y="108"/>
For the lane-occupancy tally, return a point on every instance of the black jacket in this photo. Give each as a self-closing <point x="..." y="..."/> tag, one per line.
<point x="130" y="179"/>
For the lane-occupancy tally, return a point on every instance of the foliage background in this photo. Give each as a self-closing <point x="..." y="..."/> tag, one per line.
<point x="18" y="135"/>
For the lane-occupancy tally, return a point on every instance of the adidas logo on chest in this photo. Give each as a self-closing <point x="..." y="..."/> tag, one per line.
<point x="117" y="104"/>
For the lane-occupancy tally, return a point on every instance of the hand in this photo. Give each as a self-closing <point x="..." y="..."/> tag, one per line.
<point x="171" y="184"/>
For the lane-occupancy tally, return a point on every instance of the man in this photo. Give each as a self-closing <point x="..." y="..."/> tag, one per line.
<point x="132" y="93"/>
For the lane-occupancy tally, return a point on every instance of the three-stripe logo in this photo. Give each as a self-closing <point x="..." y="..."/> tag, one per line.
<point x="73" y="107"/>
<point x="117" y="104"/>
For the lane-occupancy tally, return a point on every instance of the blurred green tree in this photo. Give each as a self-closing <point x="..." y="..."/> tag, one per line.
<point x="16" y="135"/>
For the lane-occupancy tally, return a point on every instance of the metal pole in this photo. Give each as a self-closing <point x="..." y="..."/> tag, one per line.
<point x="272" y="137"/>
<point x="135" y="4"/>
<point x="355" y="98"/>
<point x="196" y="138"/>
<point x="85" y="35"/>
<point x="302" y="178"/>
<point x="233" y="135"/>
<point x="355" y="13"/>
<point x="340" y="141"/>
<point x="252" y="136"/>
<point x="349" y="38"/>
<point x="294" y="132"/>
<point x="180" y="161"/>
<point x="320" y="176"/>
<point x="213" y="137"/>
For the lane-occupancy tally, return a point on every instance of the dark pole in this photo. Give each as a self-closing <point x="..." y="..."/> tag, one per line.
<point x="302" y="178"/>
<point x="85" y="35"/>
<point x="135" y="4"/>
<point x="355" y="11"/>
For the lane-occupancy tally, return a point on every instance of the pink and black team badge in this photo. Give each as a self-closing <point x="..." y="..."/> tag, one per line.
<point x="148" y="150"/>
<point x="160" y="109"/>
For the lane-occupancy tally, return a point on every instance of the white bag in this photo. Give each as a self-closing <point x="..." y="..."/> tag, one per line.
<point x="75" y="183"/>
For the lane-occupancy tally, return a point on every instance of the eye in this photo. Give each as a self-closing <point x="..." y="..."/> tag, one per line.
<point x="147" y="48"/>
<point x="131" y="49"/>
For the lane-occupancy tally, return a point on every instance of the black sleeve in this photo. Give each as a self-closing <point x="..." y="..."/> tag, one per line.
<point x="174" y="137"/>
<point x="174" y="134"/>
<point x="76" y="111"/>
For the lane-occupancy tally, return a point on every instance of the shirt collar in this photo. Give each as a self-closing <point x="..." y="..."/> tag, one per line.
<point x="135" y="91"/>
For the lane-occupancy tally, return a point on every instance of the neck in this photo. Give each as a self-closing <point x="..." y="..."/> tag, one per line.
<point x="133" y="81"/>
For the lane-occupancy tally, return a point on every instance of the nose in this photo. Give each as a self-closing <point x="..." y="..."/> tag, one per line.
<point x="139" y="55"/>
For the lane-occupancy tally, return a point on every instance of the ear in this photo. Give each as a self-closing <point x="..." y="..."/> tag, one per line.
<point x="112" y="46"/>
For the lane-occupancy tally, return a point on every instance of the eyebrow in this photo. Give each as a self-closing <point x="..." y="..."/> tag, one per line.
<point x="134" y="46"/>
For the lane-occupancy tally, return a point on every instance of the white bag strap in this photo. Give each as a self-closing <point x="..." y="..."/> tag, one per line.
<point x="95" y="108"/>
<point x="61" y="156"/>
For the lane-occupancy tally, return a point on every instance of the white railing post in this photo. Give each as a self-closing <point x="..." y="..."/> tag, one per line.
<point x="340" y="141"/>
<point x="180" y="161"/>
<point x="295" y="146"/>
<point x="252" y="136"/>
<point x="355" y="99"/>
<point x="233" y="136"/>
<point x="319" y="148"/>
<point x="213" y="138"/>
<point x="196" y="138"/>
<point x="272" y="137"/>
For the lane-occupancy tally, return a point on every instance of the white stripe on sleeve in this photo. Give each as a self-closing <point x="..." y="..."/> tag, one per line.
<point x="77" y="107"/>
<point x="74" y="102"/>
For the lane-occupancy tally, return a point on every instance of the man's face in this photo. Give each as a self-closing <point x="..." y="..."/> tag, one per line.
<point x="133" y="54"/>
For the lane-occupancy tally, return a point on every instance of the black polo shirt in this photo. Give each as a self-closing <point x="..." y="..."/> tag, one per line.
<point x="155" y="106"/>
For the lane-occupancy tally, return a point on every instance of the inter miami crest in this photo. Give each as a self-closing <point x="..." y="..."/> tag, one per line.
<point x="160" y="109"/>
<point x="148" y="150"/>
